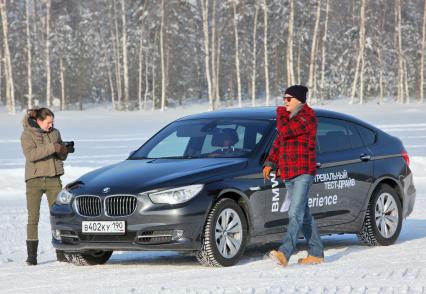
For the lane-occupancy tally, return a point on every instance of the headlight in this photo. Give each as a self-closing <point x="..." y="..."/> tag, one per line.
<point x="176" y="195"/>
<point x="64" y="197"/>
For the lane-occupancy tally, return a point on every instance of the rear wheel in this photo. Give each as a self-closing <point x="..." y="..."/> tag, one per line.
<point x="224" y="236"/>
<point x="88" y="258"/>
<point x="383" y="219"/>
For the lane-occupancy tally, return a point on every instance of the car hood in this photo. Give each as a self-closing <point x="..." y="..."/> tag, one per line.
<point x="135" y="176"/>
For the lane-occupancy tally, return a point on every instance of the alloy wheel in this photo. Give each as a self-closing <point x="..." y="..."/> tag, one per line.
<point x="386" y="215"/>
<point x="228" y="233"/>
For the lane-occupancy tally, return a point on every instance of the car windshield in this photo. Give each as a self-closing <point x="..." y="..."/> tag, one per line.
<point x="205" y="138"/>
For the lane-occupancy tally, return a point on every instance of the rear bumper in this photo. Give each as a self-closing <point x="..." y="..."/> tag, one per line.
<point x="409" y="195"/>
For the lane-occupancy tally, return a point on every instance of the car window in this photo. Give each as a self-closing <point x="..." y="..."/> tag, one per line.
<point x="259" y="136"/>
<point x="237" y="131"/>
<point x="367" y="135"/>
<point x="207" y="145"/>
<point x="171" y="146"/>
<point x="206" y="138"/>
<point x="354" y="136"/>
<point x="270" y="144"/>
<point x="332" y="135"/>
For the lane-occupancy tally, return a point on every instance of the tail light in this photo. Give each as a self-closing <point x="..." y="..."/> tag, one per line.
<point x="404" y="155"/>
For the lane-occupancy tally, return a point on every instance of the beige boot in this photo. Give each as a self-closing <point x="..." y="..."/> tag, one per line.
<point x="278" y="257"/>
<point x="311" y="260"/>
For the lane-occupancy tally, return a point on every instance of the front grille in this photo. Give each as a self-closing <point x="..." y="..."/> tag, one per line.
<point x="120" y="205"/>
<point x="89" y="205"/>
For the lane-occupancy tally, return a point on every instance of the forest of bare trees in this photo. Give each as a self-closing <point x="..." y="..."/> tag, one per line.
<point x="141" y="55"/>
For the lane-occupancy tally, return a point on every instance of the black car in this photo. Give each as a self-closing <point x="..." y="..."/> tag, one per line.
<point x="197" y="187"/>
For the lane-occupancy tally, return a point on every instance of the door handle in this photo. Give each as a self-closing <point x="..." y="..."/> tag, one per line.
<point x="319" y="164"/>
<point x="365" y="157"/>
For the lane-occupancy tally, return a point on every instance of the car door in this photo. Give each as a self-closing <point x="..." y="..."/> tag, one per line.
<point x="253" y="135"/>
<point x="344" y="173"/>
<point x="274" y="195"/>
<point x="340" y="185"/>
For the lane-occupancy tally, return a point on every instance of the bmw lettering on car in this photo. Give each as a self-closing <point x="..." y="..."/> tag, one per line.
<point x="197" y="187"/>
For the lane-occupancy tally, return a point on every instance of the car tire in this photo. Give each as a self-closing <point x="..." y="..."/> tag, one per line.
<point x="88" y="258"/>
<point x="383" y="218"/>
<point x="224" y="236"/>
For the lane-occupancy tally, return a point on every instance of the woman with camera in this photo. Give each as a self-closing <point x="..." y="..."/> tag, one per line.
<point x="44" y="153"/>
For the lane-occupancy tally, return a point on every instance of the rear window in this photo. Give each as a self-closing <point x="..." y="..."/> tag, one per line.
<point x="367" y="135"/>
<point x="354" y="136"/>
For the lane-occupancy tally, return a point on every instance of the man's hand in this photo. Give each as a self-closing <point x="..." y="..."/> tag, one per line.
<point x="282" y="116"/>
<point x="266" y="171"/>
<point x="60" y="149"/>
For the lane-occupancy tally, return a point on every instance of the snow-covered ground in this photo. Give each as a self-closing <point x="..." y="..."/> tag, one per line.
<point x="104" y="137"/>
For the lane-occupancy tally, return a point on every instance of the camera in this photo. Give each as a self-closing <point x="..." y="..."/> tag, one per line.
<point x="70" y="146"/>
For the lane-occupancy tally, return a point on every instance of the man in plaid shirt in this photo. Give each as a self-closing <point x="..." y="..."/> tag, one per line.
<point x="293" y="157"/>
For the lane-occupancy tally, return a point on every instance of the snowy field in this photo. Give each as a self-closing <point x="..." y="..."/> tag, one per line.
<point x="103" y="137"/>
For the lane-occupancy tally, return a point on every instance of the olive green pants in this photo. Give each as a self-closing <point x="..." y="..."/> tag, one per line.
<point x="50" y="186"/>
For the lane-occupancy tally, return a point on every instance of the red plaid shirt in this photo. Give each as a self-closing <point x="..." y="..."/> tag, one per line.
<point x="293" y="151"/>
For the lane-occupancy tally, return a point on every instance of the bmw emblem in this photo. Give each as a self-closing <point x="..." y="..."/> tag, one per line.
<point x="106" y="190"/>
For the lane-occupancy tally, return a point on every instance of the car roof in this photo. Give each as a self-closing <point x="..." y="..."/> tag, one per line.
<point x="267" y="113"/>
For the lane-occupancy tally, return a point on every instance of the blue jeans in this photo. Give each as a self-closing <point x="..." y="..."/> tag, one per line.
<point x="300" y="218"/>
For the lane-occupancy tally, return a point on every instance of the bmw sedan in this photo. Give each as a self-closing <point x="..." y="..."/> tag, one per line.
<point x="197" y="187"/>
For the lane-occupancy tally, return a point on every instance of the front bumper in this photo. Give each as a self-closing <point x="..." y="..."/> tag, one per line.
<point x="150" y="227"/>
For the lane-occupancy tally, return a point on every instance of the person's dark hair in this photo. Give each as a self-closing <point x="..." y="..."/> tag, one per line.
<point x="40" y="113"/>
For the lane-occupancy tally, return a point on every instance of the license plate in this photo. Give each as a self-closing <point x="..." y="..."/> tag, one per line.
<point x="104" y="227"/>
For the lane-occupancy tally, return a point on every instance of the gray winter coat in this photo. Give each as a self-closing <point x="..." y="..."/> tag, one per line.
<point x="39" y="150"/>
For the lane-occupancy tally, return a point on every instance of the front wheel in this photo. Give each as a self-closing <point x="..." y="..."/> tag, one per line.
<point x="88" y="258"/>
<point x="224" y="235"/>
<point x="383" y="219"/>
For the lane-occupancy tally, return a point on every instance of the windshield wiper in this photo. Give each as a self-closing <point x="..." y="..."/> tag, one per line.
<point x="177" y="157"/>
<point x="138" y="158"/>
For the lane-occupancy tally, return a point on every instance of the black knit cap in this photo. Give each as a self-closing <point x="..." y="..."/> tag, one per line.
<point x="298" y="92"/>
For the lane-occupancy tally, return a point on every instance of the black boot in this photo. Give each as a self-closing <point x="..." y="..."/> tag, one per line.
<point x="32" y="252"/>
<point x="60" y="256"/>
